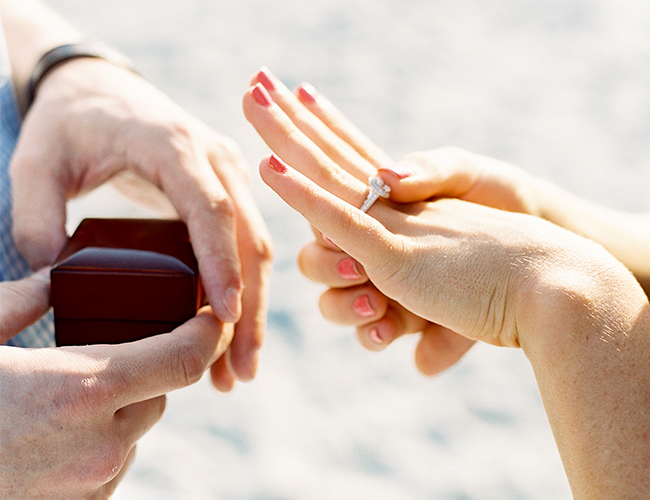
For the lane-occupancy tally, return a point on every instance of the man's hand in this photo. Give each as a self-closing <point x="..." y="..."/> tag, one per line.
<point x="92" y="121"/>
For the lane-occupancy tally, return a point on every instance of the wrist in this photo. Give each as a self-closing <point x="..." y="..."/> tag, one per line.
<point x="58" y="56"/>
<point x="577" y="294"/>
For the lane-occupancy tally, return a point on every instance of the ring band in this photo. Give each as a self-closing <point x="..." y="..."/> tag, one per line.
<point x="377" y="188"/>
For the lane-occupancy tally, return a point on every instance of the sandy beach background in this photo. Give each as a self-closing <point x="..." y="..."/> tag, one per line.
<point x="559" y="87"/>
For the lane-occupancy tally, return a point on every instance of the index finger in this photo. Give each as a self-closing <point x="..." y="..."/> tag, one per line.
<point x="356" y="233"/>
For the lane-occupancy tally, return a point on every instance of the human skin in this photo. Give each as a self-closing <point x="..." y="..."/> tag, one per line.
<point x="442" y="172"/>
<point x="93" y="122"/>
<point x="483" y="274"/>
<point x="70" y="417"/>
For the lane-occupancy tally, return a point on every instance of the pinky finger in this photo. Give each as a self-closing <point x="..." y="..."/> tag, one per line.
<point x="439" y="349"/>
<point x="397" y="321"/>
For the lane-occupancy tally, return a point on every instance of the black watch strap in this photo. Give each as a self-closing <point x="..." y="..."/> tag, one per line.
<point x="63" y="53"/>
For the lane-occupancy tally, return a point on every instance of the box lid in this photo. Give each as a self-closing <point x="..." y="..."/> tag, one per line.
<point x="127" y="270"/>
<point x="167" y="237"/>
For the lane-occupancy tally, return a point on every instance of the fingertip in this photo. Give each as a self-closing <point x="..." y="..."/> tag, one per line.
<point x="396" y="172"/>
<point x="39" y="246"/>
<point x="222" y="282"/>
<point x="221" y="376"/>
<point x="277" y="165"/>
<point x="243" y="354"/>
<point x="377" y="336"/>
<point x="398" y="177"/>
<point x="271" y="167"/>
<point x="261" y="95"/>
<point x="256" y="77"/>
<point x="306" y="94"/>
<point x="245" y="367"/>
<point x="266" y="78"/>
<point x="439" y="349"/>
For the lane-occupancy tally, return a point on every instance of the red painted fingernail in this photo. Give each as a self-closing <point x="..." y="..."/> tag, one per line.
<point x="375" y="336"/>
<point x="277" y="164"/>
<point x="347" y="269"/>
<point x="265" y="78"/>
<point x="362" y="307"/>
<point x="307" y="93"/>
<point x="399" y="171"/>
<point x="262" y="96"/>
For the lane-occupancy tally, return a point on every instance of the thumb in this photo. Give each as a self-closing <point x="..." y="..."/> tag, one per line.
<point x="22" y="302"/>
<point x="39" y="199"/>
<point x="156" y="365"/>
<point x="445" y="172"/>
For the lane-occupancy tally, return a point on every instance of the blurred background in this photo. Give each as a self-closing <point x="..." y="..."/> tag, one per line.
<point x="559" y="87"/>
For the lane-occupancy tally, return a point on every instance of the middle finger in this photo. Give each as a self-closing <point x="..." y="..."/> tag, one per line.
<point x="341" y="151"/>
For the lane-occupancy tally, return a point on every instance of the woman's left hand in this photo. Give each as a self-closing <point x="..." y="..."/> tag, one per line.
<point x="351" y="299"/>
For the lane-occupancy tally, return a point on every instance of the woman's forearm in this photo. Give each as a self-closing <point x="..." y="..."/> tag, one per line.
<point x="588" y="341"/>
<point x="31" y="29"/>
<point x="626" y="236"/>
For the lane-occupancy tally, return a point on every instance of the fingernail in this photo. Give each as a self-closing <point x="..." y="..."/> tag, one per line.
<point x="262" y="96"/>
<point x="375" y="336"/>
<point x="232" y="304"/>
<point x="399" y="171"/>
<point x="330" y="243"/>
<point x="362" y="307"/>
<point x="264" y="77"/>
<point x="277" y="164"/>
<point x="307" y="93"/>
<point x="347" y="269"/>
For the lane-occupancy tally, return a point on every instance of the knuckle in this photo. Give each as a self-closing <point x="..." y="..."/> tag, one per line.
<point x="228" y="147"/>
<point x="86" y="396"/>
<point x="188" y="363"/>
<point x="224" y="151"/>
<point x="106" y="463"/>
<point x="221" y="207"/>
<point x="262" y="248"/>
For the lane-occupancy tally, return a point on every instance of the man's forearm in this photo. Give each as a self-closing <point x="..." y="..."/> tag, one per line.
<point x="31" y="29"/>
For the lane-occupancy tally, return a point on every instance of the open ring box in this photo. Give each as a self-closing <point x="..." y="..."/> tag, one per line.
<point x="120" y="280"/>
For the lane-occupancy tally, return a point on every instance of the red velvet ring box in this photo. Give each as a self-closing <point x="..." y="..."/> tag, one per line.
<point x="120" y="280"/>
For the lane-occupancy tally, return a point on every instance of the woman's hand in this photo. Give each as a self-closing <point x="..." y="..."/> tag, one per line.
<point x="92" y="122"/>
<point x="416" y="251"/>
<point x="501" y="277"/>
<point x="378" y="320"/>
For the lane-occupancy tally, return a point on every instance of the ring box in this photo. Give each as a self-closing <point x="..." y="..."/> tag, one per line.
<point x="120" y="280"/>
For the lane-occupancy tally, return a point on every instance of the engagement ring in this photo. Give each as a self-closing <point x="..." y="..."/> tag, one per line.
<point x="377" y="189"/>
